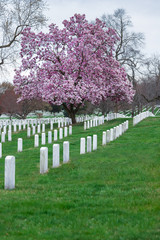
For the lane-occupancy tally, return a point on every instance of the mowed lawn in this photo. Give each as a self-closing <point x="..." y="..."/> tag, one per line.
<point x="110" y="194"/>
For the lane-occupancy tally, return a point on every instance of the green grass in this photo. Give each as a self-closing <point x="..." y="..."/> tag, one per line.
<point x="157" y="112"/>
<point x="110" y="194"/>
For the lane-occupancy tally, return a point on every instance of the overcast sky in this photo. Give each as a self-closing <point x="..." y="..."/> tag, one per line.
<point x="145" y="15"/>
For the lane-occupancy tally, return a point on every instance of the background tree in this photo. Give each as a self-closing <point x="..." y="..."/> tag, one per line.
<point x="15" y="15"/>
<point x="4" y="86"/>
<point x="128" y="51"/>
<point x="153" y="75"/>
<point x="55" y="108"/>
<point x="151" y="81"/>
<point x="71" y="66"/>
<point x="12" y="108"/>
<point x="8" y="99"/>
<point x="34" y="105"/>
<point x="8" y="103"/>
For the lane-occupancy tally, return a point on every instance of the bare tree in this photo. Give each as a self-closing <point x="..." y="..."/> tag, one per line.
<point x="128" y="49"/>
<point x="5" y="86"/>
<point x="28" y="106"/>
<point x="15" y="15"/>
<point x="10" y="106"/>
<point x="151" y="80"/>
<point x="8" y="103"/>
<point x="153" y="73"/>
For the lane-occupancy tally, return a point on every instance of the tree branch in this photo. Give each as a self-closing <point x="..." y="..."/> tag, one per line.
<point x="16" y="34"/>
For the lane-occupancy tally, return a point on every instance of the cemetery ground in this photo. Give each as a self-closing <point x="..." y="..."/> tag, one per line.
<point x="112" y="193"/>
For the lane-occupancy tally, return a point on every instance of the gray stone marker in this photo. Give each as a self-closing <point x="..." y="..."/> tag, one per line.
<point x="36" y="140"/>
<point x="20" y="126"/>
<point x="49" y="137"/>
<point x="43" y="140"/>
<point x="117" y="131"/>
<point x="65" y="152"/>
<point x="51" y="125"/>
<point x="39" y="128"/>
<point x="82" y="146"/>
<point x="85" y="125"/>
<point x="15" y="127"/>
<point x="108" y="137"/>
<point x="4" y="129"/>
<point x="43" y="127"/>
<point x="55" y="135"/>
<point x="94" y="142"/>
<point x="91" y="123"/>
<point x="33" y="130"/>
<point x="10" y="127"/>
<point x="70" y="130"/>
<point x="9" y="176"/>
<point x="56" y="156"/>
<point x="114" y="133"/>
<point x="65" y="132"/>
<point x="9" y="136"/>
<point x="43" y="160"/>
<point x="104" y="138"/>
<point x="123" y="128"/>
<point x="120" y="129"/>
<point x="3" y="137"/>
<point x="60" y="133"/>
<point x="20" y="145"/>
<point x="89" y="144"/>
<point x="127" y="124"/>
<point x="24" y="126"/>
<point x="28" y="132"/>
<point x="111" y="134"/>
<point x="94" y="123"/>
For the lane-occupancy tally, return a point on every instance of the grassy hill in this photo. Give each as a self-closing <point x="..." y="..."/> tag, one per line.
<point x="110" y="194"/>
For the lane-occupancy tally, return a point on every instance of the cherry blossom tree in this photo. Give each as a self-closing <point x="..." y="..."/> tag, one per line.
<point x="71" y="65"/>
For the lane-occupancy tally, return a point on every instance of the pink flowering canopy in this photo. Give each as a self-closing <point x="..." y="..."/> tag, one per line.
<point x="71" y="65"/>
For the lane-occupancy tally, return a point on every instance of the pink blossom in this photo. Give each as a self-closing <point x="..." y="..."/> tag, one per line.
<point x="71" y="65"/>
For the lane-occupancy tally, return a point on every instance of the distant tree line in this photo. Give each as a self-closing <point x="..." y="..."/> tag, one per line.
<point x="10" y="106"/>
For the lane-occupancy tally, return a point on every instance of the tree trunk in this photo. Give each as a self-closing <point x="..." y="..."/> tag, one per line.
<point x="116" y="107"/>
<point x="138" y="105"/>
<point x="71" y="112"/>
<point x="153" y="108"/>
<point x="133" y="111"/>
<point x="73" y="117"/>
<point x="103" y="107"/>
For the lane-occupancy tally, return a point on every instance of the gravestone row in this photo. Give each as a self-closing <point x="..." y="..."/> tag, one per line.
<point x="9" y="178"/>
<point x="22" y="124"/>
<point x="36" y="138"/>
<point x="107" y="136"/>
<point x="138" y="118"/>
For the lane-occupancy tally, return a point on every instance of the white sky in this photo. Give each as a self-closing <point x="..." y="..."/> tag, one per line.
<point x="145" y="15"/>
